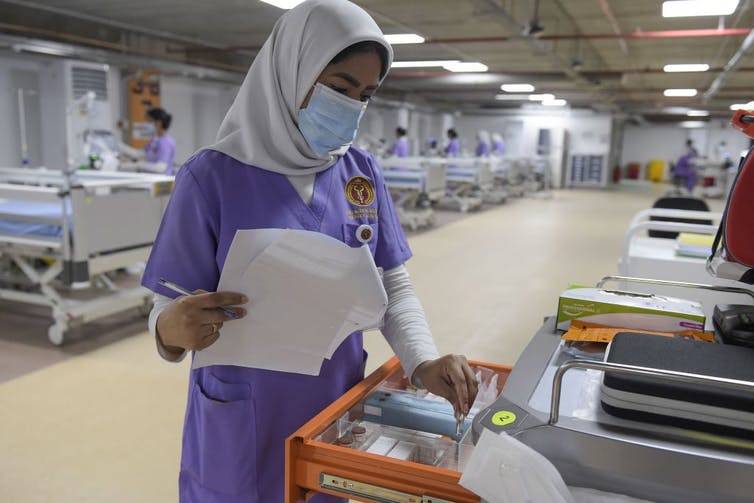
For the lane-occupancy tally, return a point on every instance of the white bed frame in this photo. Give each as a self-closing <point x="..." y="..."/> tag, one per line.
<point x="111" y="223"/>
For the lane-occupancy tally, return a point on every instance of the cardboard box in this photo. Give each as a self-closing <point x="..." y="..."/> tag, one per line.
<point x="629" y="310"/>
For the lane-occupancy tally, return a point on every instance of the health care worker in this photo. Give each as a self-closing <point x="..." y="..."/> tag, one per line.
<point x="483" y="144"/>
<point x="283" y="160"/>
<point x="453" y="148"/>
<point x="161" y="148"/>
<point x="401" y="147"/>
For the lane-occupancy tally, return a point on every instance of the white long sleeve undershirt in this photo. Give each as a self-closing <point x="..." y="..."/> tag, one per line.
<point x="405" y="326"/>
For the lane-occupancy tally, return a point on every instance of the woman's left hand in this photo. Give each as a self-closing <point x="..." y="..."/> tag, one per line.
<point x="450" y="377"/>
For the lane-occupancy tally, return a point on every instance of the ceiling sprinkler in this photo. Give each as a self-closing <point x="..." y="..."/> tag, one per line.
<point x="533" y="28"/>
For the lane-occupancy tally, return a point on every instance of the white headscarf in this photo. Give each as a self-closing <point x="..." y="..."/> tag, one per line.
<point x="483" y="136"/>
<point x="261" y="127"/>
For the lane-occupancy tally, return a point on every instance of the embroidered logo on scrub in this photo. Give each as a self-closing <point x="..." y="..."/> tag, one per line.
<point x="359" y="191"/>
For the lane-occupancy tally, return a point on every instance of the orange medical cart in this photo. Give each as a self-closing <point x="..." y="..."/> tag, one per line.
<point x="314" y="465"/>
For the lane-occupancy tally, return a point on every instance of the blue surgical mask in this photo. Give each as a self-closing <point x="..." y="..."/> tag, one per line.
<point x="330" y="120"/>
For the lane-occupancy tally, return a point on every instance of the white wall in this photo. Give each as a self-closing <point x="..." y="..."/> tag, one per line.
<point x="644" y="143"/>
<point x="198" y="107"/>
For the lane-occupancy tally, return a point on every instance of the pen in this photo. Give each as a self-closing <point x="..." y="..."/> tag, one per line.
<point x="179" y="289"/>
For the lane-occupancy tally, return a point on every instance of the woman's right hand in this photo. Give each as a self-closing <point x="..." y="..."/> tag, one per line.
<point x="194" y="322"/>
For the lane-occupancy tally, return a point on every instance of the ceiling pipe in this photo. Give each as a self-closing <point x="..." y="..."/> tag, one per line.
<point x="166" y="35"/>
<point x="636" y="35"/>
<point x="608" y="12"/>
<point x="112" y="46"/>
<point x="729" y="67"/>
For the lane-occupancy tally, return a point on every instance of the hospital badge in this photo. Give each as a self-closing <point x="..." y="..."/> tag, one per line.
<point x="359" y="191"/>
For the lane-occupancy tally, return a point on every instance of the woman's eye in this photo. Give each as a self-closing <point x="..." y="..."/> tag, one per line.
<point x="338" y="89"/>
<point x="366" y="98"/>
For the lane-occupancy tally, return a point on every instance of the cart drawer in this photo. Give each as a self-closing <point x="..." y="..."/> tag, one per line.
<point x="382" y="463"/>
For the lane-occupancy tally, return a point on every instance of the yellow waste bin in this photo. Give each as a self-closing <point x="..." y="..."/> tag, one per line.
<point x="656" y="170"/>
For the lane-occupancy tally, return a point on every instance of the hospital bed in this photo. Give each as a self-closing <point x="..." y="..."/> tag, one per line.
<point x="657" y="258"/>
<point x="415" y="183"/>
<point x="61" y="234"/>
<point x="470" y="184"/>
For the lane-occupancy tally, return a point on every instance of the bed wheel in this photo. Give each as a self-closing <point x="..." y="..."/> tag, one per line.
<point x="55" y="334"/>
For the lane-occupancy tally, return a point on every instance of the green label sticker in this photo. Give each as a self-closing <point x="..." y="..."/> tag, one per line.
<point x="503" y="418"/>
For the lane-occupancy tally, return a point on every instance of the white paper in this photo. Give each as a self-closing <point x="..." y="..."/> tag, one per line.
<point x="308" y="293"/>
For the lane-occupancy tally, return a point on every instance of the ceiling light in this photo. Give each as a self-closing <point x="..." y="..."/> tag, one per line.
<point x="695" y="67"/>
<point x="404" y="38"/>
<point x="691" y="124"/>
<point x="743" y="106"/>
<point x="541" y="97"/>
<point x="49" y="50"/>
<point x="554" y="103"/>
<point x="284" y="4"/>
<point x="680" y="92"/>
<point x="511" y="97"/>
<point x="687" y="8"/>
<point x="697" y="113"/>
<point x="517" y="88"/>
<point x="422" y="64"/>
<point x="466" y="67"/>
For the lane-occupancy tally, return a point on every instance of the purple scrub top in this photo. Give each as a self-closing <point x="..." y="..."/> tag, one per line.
<point x="498" y="147"/>
<point x="238" y="418"/>
<point x="401" y="147"/>
<point x="454" y="148"/>
<point x="684" y="169"/>
<point x="162" y="149"/>
<point x="482" y="149"/>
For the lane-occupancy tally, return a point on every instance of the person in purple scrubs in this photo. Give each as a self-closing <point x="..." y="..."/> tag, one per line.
<point x="453" y="148"/>
<point x="401" y="147"/>
<point x="283" y="159"/>
<point x="161" y="148"/>
<point x="498" y="145"/>
<point x="483" y="144"/>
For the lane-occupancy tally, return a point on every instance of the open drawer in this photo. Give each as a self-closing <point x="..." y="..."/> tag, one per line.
<point x="348" y="450"/>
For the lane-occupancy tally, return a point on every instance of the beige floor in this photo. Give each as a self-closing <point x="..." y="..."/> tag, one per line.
<point x="104" y="425"/>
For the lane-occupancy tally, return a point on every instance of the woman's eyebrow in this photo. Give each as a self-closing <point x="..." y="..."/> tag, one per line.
<point x="348" y="78"/>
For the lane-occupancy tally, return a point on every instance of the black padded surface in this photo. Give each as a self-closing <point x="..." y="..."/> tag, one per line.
<point x="695" y="357"/>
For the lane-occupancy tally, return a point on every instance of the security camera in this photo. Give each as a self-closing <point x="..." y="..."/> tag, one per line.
<point x="533" y="28"/>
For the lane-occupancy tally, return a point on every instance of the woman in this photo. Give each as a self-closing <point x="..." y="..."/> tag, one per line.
<point x="161" y="148"/>
<point x="498" y="144"/>
<point x="401" y="147"/>
<point x="283" y="160"/>
<point x="453" y="148"/>
<point x="483" y="144"/>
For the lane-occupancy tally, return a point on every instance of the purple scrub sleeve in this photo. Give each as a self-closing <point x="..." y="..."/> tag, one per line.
<point x="162" y="149"/>
<point x="238" y="418"/>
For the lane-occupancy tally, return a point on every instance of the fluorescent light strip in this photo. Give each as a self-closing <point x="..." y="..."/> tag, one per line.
<point x="512" y="97"/>
<point x="463" y="66"/>
<point x="283" y="4"/>
<point x="517" y="88"/>
<point x="404" y="38"/>
<point x="695" y="67"/>
<point x="697" y="113"/>
<point x="693" y="124"/>
<point x="688" y="8"/>
<point x="680" y="92"/>
<point x="422" y="64"/>
<point x="743" y="106"/>
<point x="554" y="103"/>
<point x="541" y="97"/>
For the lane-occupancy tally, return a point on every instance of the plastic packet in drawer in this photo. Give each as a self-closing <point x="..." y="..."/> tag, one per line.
<point x="409" y="411"/>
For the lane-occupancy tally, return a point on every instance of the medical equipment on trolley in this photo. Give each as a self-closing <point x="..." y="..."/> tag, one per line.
<point x="415" y="183"/>
<point x="63" y="231"/>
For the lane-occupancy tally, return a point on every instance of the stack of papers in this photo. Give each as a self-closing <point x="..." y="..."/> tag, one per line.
<point x="308" y="293"/>
<point x="694" y="245"/>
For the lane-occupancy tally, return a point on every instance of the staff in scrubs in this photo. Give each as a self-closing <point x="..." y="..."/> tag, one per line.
<point x="401" y="148"/>
<point x="283" y="159"/>
<point x="453" y="148"/>
<point x="483" y="144"/>
<point x="161" y="148"/>
<point x="498" y="145"/>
